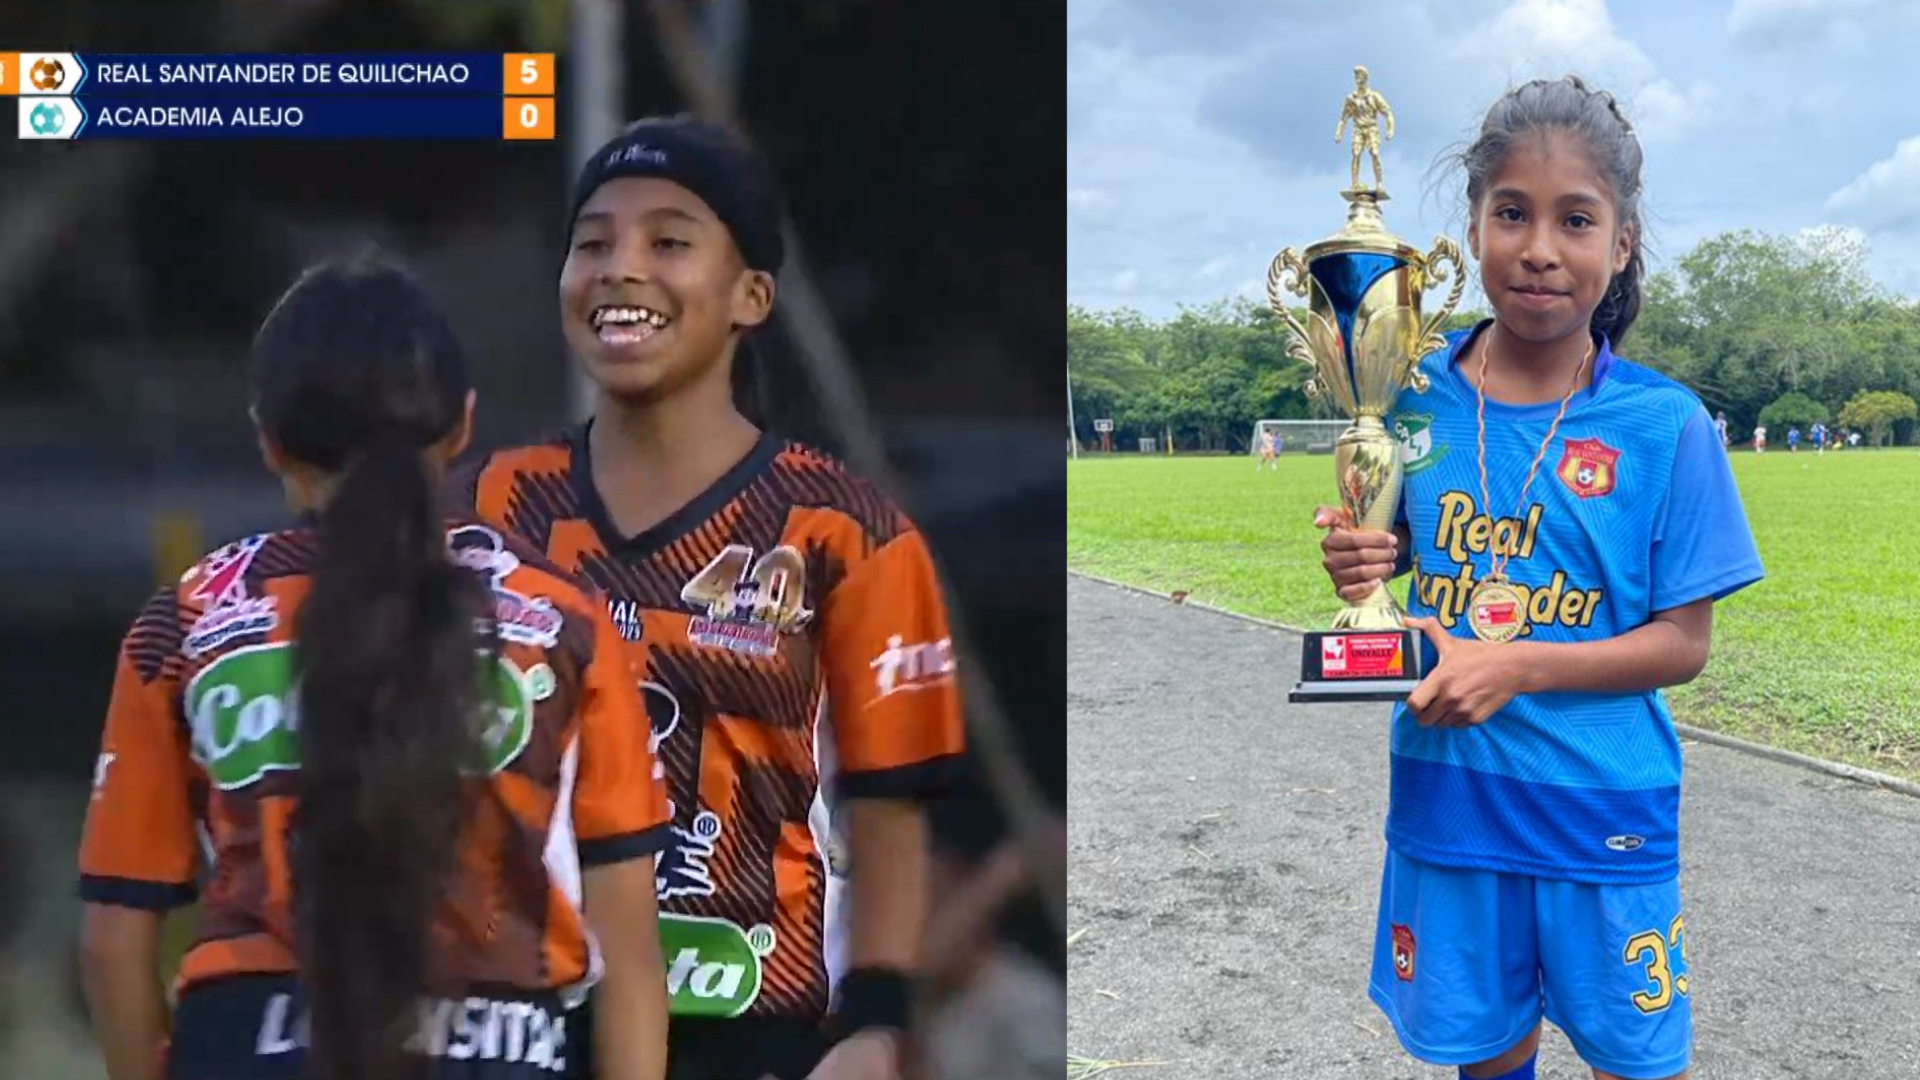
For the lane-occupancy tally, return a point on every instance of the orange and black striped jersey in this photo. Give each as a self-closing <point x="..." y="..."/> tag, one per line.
<point x="196" y="785"/>
<point x="797" y="644"/>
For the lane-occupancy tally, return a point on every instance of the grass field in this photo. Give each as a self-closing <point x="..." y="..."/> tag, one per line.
<point x="1822" y="657"/>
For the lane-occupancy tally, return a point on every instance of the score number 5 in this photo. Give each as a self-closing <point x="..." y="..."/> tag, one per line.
<point x="1655" y="951"/>
<point x="527" y="74"/>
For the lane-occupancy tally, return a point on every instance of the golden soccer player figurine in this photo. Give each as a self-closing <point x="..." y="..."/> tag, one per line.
<point x="1364" y="107"/>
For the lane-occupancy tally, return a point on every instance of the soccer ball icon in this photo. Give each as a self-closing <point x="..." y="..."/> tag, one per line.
<point x="48" y="74"/>
<point x="47" y="119"/>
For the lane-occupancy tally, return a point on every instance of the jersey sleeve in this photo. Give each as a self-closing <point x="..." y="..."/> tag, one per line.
<point x="139" y="847"/>
<point x="888" y="656"/>
<point x="620" y="797"/>
<point x="1702" y="545"/>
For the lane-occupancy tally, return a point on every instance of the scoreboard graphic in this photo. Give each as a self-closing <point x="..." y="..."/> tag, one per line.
<point x="79" y="96"/>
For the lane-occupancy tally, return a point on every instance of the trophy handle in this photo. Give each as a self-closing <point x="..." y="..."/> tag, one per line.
<point x="1290" y="262"/>
<point x="1444" y="251"/>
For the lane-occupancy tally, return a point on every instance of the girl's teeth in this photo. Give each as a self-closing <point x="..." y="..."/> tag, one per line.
<point x="626" y="334"/>
<point x="628" y="317"/>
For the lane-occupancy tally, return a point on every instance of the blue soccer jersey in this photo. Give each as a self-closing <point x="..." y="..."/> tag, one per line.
<point x="1633" y="511"/>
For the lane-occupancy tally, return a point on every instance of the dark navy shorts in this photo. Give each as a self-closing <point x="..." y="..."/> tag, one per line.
<point x="253" y="1027"/>
<point x="747" y="1048"/>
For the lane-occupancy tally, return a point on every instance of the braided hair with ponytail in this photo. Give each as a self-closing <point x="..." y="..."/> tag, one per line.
<point x="356" y="374"/>
<point x="1570" y="105"/>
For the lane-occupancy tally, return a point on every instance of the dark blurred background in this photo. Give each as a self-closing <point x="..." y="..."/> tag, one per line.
<point x="921" y="148"/>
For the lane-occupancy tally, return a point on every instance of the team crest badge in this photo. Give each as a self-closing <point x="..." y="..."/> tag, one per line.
<point x="1414" y="432"/>
<point x="48" y="74"/>
<point x="219" y="585"/>
<point x="746" y="604"/>
<point x="1588" y="467"/>
<point x="1403" y="952"/>
<point x="517" y="617"/>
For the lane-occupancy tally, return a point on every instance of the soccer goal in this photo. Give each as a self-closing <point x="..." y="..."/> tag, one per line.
<point x="1298" y="436"/>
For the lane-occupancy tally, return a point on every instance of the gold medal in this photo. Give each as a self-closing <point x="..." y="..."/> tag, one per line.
<point x="1495" y="612"/>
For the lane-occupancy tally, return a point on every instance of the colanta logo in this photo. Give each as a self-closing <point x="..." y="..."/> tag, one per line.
<point x="713" y="966"/>
<point x="244" y="715"/>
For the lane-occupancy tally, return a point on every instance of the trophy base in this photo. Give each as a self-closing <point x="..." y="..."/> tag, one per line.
<point x="1357" y="665"/>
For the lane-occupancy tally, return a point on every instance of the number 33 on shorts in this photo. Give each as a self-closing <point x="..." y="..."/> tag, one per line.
<point x="1662" y="958"/>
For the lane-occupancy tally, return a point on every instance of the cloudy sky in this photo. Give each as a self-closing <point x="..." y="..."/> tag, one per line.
<point x="1200" y="132"/>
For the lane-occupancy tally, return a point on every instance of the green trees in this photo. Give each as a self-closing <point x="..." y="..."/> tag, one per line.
<point x="1876" y="411"/>
<point x="1793" y="409"/>
<point x="1780" y="329"/>
<point x="1791" y="324"/>
<point x="1206" y="374"/>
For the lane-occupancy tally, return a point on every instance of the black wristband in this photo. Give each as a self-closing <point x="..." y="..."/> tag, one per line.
<point x="873" y="997"/>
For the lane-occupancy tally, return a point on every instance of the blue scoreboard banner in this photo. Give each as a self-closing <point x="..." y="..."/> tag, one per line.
<point x="78" y="96"/>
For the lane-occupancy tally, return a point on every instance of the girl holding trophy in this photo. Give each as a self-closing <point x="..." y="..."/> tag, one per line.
<point x="1566" y="555"/>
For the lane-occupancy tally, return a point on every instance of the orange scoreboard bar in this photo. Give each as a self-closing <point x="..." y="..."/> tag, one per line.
<point x="527" y="85"/>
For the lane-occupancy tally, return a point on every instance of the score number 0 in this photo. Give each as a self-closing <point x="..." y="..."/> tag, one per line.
<point x="527" y="118"/>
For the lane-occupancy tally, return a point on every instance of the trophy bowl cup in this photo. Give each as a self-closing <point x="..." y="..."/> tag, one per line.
<point x="1363" y="339"/>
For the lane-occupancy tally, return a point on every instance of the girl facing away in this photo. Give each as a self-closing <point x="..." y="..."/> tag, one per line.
<point x="1565" y="560"/>
<point x="400" y="759"/>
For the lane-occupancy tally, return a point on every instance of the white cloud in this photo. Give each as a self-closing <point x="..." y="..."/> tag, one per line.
<point x="1665" y="113"/>
<point x="1550" y="38"/>
<point x="1887" y="194"/>
<point x="1199" y="145"/>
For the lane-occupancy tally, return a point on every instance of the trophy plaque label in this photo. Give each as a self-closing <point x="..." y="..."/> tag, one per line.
<point x="1358" y="665"/>
<point x="1363" y="656"/>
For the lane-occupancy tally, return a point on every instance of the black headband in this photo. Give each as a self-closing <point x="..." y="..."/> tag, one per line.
<point x="734" y="181"/>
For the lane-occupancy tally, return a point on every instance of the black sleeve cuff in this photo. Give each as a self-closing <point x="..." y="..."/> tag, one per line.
<point x="135" y="893"/>
<point x="921" y="780"/>
<point x="873" y="998"/>
<point x="604" y="850"/>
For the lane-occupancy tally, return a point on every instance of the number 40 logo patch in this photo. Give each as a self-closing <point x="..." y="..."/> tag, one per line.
<point x="748" y="603"/>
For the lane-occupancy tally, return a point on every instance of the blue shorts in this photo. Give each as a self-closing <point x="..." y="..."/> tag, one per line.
<point x="1466" y="962"/>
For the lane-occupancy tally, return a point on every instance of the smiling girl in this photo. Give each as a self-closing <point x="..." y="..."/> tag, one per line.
<point x="796" y="639"/>
<point x="1566" y="556"/>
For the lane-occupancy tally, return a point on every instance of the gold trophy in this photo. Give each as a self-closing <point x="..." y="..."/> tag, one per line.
<point x="1364" y="339"/>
